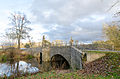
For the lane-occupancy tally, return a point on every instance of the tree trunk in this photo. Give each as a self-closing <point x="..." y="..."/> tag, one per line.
<point x="17" y="68"/>
<point x="19" y="42"/>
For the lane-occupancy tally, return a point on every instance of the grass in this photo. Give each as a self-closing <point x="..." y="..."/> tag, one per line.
<point x="71" y="75"/>
<point x="113" y="61"/>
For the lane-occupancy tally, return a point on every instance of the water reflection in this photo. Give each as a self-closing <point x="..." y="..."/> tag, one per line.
<point x="11" y="69"/>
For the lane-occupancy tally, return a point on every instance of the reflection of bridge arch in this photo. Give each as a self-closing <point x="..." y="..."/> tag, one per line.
<point x="58" y="61"/>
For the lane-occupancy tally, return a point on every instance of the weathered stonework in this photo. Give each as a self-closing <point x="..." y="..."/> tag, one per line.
<point x="46" y="54"/>
<point x="70" y="53"/>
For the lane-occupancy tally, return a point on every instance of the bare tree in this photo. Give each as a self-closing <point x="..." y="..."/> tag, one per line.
<point x="31" y="43"/>
<point x="6" y="40"/>
<point x="19" y="30"/>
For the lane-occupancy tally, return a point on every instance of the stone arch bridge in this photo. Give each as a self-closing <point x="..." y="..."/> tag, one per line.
<point x="70" y="54"/>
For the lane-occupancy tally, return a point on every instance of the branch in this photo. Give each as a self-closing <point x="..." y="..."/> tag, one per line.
<point x="113" y="6"/>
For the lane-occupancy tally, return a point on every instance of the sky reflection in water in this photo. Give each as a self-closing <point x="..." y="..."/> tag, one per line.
<point x="7" y="69"/>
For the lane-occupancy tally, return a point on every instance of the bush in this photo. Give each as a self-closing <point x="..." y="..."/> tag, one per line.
<point x="3" y="58"/>
<point x="27" y="46"/>
<point x="30" y="56"/>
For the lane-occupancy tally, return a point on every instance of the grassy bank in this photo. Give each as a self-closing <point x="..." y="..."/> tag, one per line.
<point x="107" y="67"/>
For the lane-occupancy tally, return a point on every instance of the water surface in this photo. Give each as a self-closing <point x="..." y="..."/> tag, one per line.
<point x="12" y="69"/>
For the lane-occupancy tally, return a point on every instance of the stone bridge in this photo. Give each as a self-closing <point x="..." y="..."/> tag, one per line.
<point x="67" y="55"/>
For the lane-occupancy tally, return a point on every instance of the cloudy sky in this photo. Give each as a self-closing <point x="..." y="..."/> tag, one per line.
<point x="61" y="19"/>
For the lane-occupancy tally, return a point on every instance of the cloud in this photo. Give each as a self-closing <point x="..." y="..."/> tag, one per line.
<point x="81" y="19"/>
<point x="67" y="11"/>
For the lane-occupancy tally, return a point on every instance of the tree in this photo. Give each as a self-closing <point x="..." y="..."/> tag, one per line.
<point x="31" y="43"/>
<point x="76" y="42"/>
<point x="102" y="45"/>
<point x="57" y="43"/>
<point x="71" y="41"/>
<point x="27" y="46"/>
<point x="113" y="5"/>
<point x="19" y="30"/>
<point x="7" y="41"/>
<point x="112" y="33"/>
<point x="45" y="42"/>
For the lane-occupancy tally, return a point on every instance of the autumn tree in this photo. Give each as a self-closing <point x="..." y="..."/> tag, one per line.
<point x="19" y="29"/>
<point x="112" y="33"/>
<point x="102" y="45"/>
<point x="27" y="45"/>
<point x="71" y="41"/>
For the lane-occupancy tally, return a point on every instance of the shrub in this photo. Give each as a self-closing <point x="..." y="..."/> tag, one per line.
<point x="30" y="56"/>
<point x="27" y="46"/>
<point x="3" y="58"/>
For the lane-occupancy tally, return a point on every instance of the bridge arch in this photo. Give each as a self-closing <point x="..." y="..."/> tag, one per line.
<point x="60" y="62"/>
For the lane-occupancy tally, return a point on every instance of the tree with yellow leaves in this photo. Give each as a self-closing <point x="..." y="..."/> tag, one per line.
<point x="112" y="33"/>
